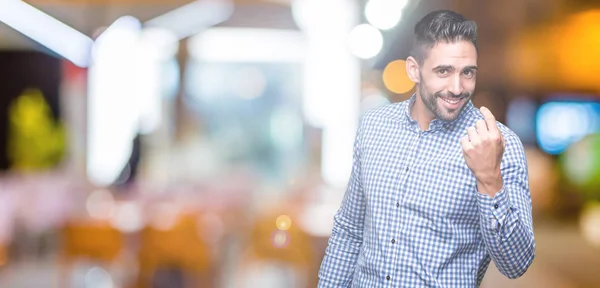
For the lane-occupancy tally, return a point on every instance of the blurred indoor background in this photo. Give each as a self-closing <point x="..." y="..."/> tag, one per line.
<point x="178" y="143"/>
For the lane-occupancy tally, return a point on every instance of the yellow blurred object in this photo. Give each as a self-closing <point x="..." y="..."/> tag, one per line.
<point x="35" y="141"/>
<point x="3" y="256"/>
<point x="95" y="240"/>
<point x="577" y="51"/>
<point x="569" y="47"/>
<point x="395" y="77"/>
<point x="178" y="246"/>
<point x="291" y="249"/>
<point x="283" y="222"/>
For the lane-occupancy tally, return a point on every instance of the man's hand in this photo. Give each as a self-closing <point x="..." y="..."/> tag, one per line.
<point x="483" y="147"/>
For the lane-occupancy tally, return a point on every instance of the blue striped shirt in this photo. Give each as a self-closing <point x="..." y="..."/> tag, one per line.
<point x="412" y="216"/>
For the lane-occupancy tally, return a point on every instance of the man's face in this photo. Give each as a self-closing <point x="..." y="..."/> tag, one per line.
<point x="447" y="78"/>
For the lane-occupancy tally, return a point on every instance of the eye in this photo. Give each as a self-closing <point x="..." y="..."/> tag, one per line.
<point x="443" y="72"/>
<point x="469" y="73"/>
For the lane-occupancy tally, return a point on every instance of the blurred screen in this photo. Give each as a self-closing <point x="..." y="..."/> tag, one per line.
<point x="559" y="123"/>
<point x="251" y="111"/>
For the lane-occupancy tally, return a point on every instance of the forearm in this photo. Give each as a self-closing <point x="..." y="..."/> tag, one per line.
<point x="508" y="236"/>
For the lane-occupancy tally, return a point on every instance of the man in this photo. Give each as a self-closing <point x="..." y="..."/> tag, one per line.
<point x="438" y="187"/>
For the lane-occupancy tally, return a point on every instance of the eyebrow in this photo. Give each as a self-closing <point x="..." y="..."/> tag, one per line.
<point x="451" y="68"/>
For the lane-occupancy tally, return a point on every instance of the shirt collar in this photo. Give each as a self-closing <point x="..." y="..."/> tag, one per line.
<point x="436" y="124"/>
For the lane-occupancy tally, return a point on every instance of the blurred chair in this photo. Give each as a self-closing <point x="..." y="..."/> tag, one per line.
<point x="178" y="248"/>
<point x="89" y="240"/>
<point x="277" y="246"/>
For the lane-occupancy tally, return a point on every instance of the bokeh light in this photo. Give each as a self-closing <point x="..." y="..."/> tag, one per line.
<point x="581" y="165"/>
<point x="365" y="41"/>
<point x="97" y="277"/>
<point x="590" y="223"/>
<point x="127" y="217"/>
<point x="561" y="123"/>
<point x="395" y="77"/>
<point x="283" y="222"/>
<point x="280" y="239"/>
<point x="384" y="14"/>
<point x="100" y="204"/>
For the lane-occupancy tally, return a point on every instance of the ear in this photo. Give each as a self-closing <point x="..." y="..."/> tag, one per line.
<point x="412" y="69"/>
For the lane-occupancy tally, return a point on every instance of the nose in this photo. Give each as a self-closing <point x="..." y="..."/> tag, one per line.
<point x="455" y="86"/>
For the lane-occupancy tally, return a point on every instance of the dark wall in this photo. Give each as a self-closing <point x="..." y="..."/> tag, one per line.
<point x="20" y="70"/>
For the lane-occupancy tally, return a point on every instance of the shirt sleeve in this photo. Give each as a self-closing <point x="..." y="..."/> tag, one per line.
<point x="505" y="219"/>
<point x="341" y="255"/>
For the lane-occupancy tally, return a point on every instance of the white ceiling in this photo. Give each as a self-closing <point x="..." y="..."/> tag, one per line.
<point x="88" y="18"/>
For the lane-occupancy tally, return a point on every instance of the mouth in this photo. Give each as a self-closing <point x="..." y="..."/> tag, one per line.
<point x="452" y="103"/>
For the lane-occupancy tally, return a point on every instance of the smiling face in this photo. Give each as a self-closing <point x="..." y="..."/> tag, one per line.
<point x="446" y="80"/>
<point x="443" y="64"/>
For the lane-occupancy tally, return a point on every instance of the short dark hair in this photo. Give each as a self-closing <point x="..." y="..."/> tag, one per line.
<point x="441" y="26"/>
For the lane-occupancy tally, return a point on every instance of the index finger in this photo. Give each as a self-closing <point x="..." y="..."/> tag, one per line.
<point x="490" y="120"/>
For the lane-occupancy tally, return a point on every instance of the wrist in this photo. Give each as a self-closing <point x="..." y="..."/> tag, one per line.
<point x="490" y="184"/>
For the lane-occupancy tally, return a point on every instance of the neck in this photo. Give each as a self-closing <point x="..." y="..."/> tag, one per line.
<point x="420" y="113"/>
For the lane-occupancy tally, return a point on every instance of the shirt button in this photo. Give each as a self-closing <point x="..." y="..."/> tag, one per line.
<point x="393" y="241"/>
<point x="397" y="204"/>
<point x="494" y="225"/>
<point x="496" y="206"/>
<point x="388" y="277"/>
<point x="406" y="169"/>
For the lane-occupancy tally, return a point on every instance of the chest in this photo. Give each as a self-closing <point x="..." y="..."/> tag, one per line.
<point x="423" y="174"/>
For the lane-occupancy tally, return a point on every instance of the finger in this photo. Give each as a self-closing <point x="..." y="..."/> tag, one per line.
<point x="465" y="143"/>
<point x="490" y="120"/>
<point x="473" y="136"/>
<point x="481" y="127"/>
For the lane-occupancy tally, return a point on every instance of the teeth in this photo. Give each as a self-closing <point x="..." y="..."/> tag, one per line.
<point x="451" y="101"/>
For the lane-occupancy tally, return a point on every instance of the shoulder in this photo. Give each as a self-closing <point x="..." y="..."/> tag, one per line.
<point x="381" y="121"/>
<point x="389" y="113"/>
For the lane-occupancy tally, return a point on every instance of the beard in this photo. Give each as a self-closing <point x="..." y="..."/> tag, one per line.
<point x="433" y="102"/>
